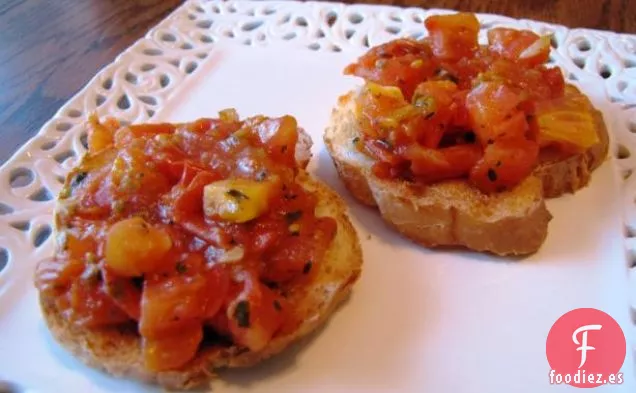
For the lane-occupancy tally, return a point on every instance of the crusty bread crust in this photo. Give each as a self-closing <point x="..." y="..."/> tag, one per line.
<point x="452" y="213"/>
<point x="117" y="351"/>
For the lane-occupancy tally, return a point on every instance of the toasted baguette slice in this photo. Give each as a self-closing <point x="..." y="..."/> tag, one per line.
<point x="453" y="213"/>
<point x="117" y="351"/>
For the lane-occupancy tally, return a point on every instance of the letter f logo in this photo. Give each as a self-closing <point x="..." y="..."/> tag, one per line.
<point x="583" y="344"/>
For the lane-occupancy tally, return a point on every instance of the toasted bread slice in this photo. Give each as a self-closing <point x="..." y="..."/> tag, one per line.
<point x="452" y="213"/>
<point x="118" y="351"/>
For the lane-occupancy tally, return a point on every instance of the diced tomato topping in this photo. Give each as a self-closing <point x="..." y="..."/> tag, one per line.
<point x="470" y="103"/>
<point x="453" y="36"/>
<point x="402" y="63"/>
<point x="505" y="163"/>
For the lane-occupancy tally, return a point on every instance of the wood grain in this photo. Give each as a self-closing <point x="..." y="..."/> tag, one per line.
<point x="52" y="48"/>
<point x="614" y="15"/>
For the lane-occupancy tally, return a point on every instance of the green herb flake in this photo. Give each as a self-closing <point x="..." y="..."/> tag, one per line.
<point x="492" y="175"/>
<point x="117" y="206"/>
<point x="294" y="216"/>
<point x="236" y="194"/>
<point x="307" y="267"/>
<point x="65" y="193"/>
<point x="181" y="267"/>
<point x="91" y="257"/>
<point x="260" y="176"/>
<point x="78" y="179"/>
<point x="242" y="314"/>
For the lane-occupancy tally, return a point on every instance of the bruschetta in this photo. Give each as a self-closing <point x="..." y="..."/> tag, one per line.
<point x="187" y="248"/>
<point x="459" y="144"/>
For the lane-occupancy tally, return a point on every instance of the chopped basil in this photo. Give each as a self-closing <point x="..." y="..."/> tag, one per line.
<point x="307" y="267"/>
<point x="260" y="176"/>
<point x="242" y="314"/>
<point x="425" y="102"/>
<point x="237" y="194"/>
<point x="492" y="175"/>
<point x="181" y="267"/>
<point x="79" y="178"/>
<point x="65" y="193"/>
<point x="91" y="257"/>
<point x="294" y="216"/>
<point x="117" y="206"/>
<point x="452" y="78"/>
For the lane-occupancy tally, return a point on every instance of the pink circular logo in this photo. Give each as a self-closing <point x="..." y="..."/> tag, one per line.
<point x="586" y="348"/>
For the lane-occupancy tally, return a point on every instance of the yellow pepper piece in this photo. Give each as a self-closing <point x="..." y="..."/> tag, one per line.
<point x="568" y="120"/>
<point x="237" y="200"/>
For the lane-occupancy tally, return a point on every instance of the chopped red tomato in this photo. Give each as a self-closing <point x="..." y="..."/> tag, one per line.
<point x="522" y="45"/>
<point x="256" y="313"/>
<point x="125" y="135"/>
<point x="125" y="294"/>
<point x="296" y="256"/>
<point x="279" y="137"/>
<point x="90" y="305"/>
<point x="442" y="164"/>
<point x="190" y="293"/>
<point x="56" y="275"/>
<point x="402" y="63"/>
<point x="173" y="351"/>
<point x="505" y="163"/>
<point x="453" y="36"/>
<point x="490" y="103"/>
<point x="435" y="102"/>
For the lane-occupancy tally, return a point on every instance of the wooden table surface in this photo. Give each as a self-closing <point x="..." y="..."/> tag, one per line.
<point x="51" y="48"/>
